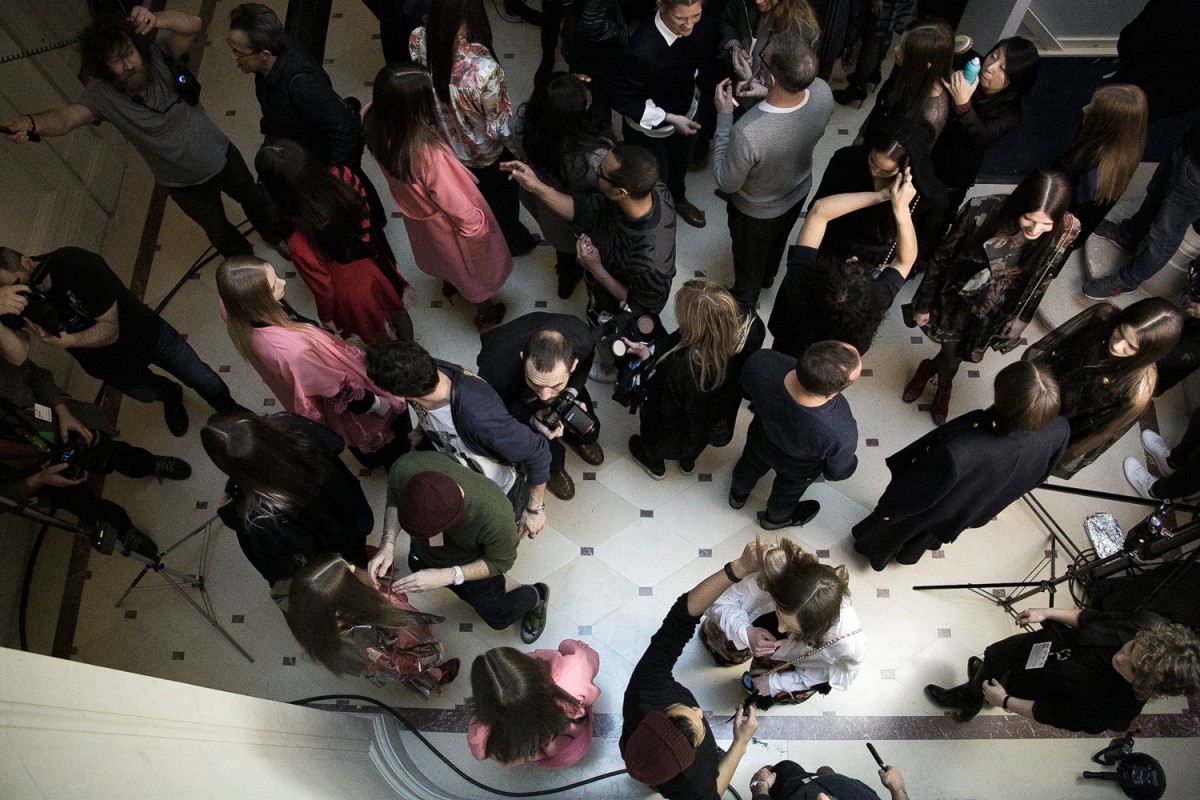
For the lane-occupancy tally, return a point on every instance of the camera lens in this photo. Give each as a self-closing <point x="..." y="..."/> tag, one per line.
<point x="619" y="348"/>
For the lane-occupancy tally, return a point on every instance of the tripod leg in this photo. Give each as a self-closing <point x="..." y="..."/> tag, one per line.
<point x="132" y="586"/>
<point x="204" y="613"/>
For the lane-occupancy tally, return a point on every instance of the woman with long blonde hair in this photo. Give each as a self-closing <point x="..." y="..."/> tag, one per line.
<point x="748" y="25"/>
<point x="691" y="378"/>
<point x="312" y="372"/>
<point x="1106" y="152"/>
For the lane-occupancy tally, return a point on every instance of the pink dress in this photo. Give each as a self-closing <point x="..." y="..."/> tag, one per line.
<point x="453" y="234"/>
<point x="356" y="296"/>
<point x="573" y="666"/>
<point x="316" y="375"/>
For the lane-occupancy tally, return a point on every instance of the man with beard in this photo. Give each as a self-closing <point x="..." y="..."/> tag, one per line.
<point x="141" y="87"/>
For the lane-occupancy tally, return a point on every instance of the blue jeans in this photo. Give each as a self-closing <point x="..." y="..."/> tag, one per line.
<point x="176" y="357"/>
<point x="498" y="608"/>
<point x="1172" y="204"/>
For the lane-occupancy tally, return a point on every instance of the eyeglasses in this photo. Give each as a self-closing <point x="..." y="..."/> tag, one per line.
<point x="238" y="55"/>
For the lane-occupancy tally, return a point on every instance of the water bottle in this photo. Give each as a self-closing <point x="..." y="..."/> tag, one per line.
<point x="971" y="70"/>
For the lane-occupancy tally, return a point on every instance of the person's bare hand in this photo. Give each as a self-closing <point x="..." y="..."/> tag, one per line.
<point x="144" y="21"/>
<point x="683" y="125"/>
<point x="751" y="88"/>
<point x="522" y="173"/>
<point x="742" y="63"/>
<point x="993" y="692"/>
<point x="762" y="643"/>
<point x="766" y="775"/>
<point x="921" y="318"/>
<point x="761" y="684"/>
<point x="381" y="563"/>
<point x="532" y="524"/>
<point x="19" y="127"/>
<point x="424" y="580"/>
<point x="745" y="724"/>
<point x="1032" y="616"/>
<point x="890" y="777"/>
<point x="549" y="433"/>
<point x="723" y="97"/>
<point x="586" y="254"/>
<point x="67" y="423"/>
<point x="14" y="298"/>
<point x="748" y="560"/>
<point x="639" y="349"/>
<point x="50" y="476"/>
<point x="902" y="190"/>
<point x="960" y="91"/>
<point x="1192" y="309"/>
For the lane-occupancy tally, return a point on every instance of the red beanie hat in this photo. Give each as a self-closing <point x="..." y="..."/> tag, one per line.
<point x="657" y="751"/>
<point x="430" y="504"/>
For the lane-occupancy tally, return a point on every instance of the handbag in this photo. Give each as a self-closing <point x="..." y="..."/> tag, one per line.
<point x="764" y="702"/>
<point x="1002" y="345"/>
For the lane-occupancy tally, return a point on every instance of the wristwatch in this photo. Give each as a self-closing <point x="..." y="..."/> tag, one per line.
<point x="755" y="783"/>
<point x="459" y="578"/>
<point x="536" y="509"/>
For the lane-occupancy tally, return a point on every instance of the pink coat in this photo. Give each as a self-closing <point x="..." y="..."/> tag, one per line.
<point x="453" y="234"/>
<point x="573" y="666"/>
<point x="315" y="374"/>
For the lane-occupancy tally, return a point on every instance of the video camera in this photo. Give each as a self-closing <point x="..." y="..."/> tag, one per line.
<point x="566" y="409"/>
<point x="43" y="313"/>
<point x="627" y="324"/>
<point x="81" y="457"/>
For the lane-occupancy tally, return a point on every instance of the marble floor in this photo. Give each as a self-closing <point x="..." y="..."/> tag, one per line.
<point x="625" y="547"/>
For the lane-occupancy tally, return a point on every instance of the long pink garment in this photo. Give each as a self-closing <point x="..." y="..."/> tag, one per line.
<point x="573" y="666"/>
<point x="315" y="374"/>
<point x="453" y="234"/>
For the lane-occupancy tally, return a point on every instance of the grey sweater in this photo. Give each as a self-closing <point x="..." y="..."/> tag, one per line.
<point x="765" y="160"/>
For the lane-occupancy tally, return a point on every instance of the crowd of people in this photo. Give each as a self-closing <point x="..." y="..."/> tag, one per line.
<point x="470" y="455"/>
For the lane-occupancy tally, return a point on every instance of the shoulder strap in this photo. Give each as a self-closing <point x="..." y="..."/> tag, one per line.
<point x="812" y="652"/>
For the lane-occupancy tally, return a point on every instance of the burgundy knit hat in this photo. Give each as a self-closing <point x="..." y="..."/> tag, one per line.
<point x="657" y="751"/>
<point x="430" y="504"/>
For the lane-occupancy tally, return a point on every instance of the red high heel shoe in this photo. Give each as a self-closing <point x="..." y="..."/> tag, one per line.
<point x="916" y="387"/>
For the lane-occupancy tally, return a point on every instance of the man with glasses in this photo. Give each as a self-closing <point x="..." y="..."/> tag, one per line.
<point x="626" y="241"/>
<point x="140" y="86"/>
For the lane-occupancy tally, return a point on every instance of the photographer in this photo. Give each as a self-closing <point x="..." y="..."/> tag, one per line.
<point x="787" y="780"/>
<point x="536" y="363"/>
<point x="627" y="234"/>
<point x="78" y="303"/>
<point x="143" y="87"/>
<point x="47" y="453"/>
<point x="462" y="416"/>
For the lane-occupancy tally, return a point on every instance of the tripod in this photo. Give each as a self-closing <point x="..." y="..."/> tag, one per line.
<point x="177" y="580"/>
<point x="104" y="539"/>
<point x="1078" y="570"/>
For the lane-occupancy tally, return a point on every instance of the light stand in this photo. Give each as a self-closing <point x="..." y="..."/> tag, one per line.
<point x="104" y="539"/>
<point x="1077" y="570"/>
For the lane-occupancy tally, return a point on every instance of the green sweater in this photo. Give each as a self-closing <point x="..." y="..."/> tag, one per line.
<point x="485" y="531"/>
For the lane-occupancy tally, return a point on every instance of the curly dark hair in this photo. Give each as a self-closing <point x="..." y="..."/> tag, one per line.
<point x="107" y="34"/>
<point x="403" y="368"/>
<point x="837" y="299"/>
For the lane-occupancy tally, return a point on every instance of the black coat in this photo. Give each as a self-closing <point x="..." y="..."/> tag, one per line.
<point x="958" y="476"/>
<point x="500" y="362"/>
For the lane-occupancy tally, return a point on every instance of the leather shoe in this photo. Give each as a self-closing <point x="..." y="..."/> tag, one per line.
<point x="690" y="214"/>
<point x="804" y="513"/>
<point x="916" y="386"/>
<point x="973" y="665"/>
<point x="561" y="485"/>
<point x="174" y="414"/>
<point x="591" y="453"/>
<point x="943" y="697"/>
<point x="534" y="621"/>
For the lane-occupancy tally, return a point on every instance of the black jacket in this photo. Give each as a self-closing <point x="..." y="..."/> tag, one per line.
<point x="500" y="362"/>
<point x="298" y="102"/>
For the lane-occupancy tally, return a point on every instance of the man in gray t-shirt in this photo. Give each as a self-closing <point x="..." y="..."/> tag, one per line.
<point x="134" y="87"/>
<point x="764" y="162"/>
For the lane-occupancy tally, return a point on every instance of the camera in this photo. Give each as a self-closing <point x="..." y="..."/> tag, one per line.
<point x="565" y="408"/>
<point x="41" y="312"/>
<point x="627" y="324"/>
<point x="183" y="81"/>
<point x="82" y="458"/>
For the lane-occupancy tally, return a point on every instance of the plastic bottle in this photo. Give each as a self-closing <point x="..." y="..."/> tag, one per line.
<point x="971" y="70"/>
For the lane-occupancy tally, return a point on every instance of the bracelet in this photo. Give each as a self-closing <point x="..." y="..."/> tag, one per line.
<point x="1004" y="702"/>
<point x="536" y="510"/>
<point x="32" y="122"/>
<point x="733" y="578"/>
<point x="754" y="783"/>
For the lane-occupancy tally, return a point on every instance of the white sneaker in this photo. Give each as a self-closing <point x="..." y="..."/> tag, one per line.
<point x="1158" y="450"/>
<point x="1139" y="478"/>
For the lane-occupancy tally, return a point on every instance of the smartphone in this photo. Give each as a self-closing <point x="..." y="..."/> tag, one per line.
<point x="875" y="755"/>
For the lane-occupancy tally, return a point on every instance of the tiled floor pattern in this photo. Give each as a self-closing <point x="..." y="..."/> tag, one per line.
<point x="619" y="553"/>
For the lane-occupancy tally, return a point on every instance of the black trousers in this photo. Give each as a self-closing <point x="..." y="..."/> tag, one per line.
<point x="503" y="198"/>
<point x="203" y="204"/>
<point x="758" y="247"/>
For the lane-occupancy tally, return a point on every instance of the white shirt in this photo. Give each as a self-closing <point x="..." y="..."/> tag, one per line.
<point x="439" y="427"/>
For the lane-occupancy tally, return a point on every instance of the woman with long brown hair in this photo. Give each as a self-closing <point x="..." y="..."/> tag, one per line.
<point x="795" y="620"/>
<point x="341" y="256"/>
<point x="988" y="277"/>
<point x="748" y="25"/>
<point x="534" y="707"/>
<point x="312" y="372"/>
<point x="916" y="88"/>
<point x="1106" y="152"/>
<point x="349" y="627"/>
<point x="1104" y="360"/>
<point x="290" y="496"/>
<point x="691" y="378"/>
<point x="453" y="234"/>
<point x="473" y="109"/>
